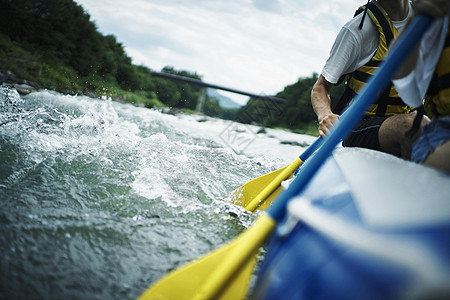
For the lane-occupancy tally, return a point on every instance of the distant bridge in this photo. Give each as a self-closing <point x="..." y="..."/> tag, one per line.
<point x="214" y="86"/>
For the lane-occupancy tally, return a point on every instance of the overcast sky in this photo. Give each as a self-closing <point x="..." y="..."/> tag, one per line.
<point x="258" y="46"/>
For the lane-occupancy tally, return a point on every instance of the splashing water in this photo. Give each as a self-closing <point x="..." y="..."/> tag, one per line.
<point x="101" y="199"/>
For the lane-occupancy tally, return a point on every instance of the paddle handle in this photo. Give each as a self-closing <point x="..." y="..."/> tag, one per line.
<point x="347" y="121"/>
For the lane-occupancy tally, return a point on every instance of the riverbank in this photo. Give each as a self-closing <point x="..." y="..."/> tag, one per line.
<point x="24" y="87"/>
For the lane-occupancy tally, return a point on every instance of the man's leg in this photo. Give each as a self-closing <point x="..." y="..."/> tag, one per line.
<point x="365" y="133"/>
<point x="392" y="134"/>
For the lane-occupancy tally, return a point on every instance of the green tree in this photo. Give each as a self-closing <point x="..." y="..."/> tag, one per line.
<point x="175" y="93"/>
<point x="295" y="113"/>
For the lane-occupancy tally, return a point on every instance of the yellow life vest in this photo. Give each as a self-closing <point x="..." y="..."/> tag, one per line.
<point x="389" y="102"/>
<point x="437" y="102"/>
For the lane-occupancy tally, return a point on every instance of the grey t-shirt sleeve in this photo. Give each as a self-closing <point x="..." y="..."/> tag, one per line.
<point x="343" y="56"/>
<point x="352" y="49"/>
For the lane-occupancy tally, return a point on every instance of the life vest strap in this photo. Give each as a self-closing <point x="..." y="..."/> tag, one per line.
<point x="383" y="22"/>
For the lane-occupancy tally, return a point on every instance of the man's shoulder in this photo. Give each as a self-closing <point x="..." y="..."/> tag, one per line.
<point x="353" y="26"/>
<point x="368" y="31"/>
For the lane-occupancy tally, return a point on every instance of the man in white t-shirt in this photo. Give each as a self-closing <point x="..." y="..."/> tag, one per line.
<point x="358" y="50"/>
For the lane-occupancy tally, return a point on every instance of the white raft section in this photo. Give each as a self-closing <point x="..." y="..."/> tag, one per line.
<point x="392" y="196"/>
<point x="394" y="193"/>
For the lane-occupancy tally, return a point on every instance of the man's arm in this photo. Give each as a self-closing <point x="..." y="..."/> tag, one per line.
<point x="321" y="103"/>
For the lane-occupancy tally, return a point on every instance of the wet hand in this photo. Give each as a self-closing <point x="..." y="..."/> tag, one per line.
<point x="326" y="123"/>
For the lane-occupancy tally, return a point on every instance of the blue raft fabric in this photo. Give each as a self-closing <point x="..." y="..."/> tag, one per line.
<point x="303" y="264"/>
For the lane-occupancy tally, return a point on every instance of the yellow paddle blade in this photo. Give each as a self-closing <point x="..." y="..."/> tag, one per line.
<point x="260" y="192"/>
<point x="222" y="274"/>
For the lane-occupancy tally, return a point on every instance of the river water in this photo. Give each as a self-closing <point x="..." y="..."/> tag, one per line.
<point x="100" y="199"/>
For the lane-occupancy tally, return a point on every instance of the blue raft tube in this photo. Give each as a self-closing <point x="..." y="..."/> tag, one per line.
<point x="338" y="242"/>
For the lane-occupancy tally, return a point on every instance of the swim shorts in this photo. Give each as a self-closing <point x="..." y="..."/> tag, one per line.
<point x="365" y="134"/>
<point x="433" y="135"/>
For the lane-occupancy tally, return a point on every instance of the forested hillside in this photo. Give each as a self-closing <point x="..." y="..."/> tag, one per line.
<point x="53" y="44"/>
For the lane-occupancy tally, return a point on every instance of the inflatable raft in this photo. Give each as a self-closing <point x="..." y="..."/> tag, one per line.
<point x="369" y="226"/>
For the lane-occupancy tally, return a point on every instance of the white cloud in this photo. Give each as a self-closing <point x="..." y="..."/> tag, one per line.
<point x="272" y="6"/>
<point x="259" y="46"/>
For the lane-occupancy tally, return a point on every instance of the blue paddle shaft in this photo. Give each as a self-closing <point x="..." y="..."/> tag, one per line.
<point x="348" y="120"/>
<point x="310" y="150"/>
